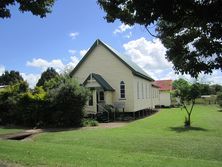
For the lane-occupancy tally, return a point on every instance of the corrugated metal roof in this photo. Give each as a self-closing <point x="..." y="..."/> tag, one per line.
<point x="133" y="65"/>
<point x="164" y="84"/>
<point x="136" y="70"/>
<point x="105" y="85"/>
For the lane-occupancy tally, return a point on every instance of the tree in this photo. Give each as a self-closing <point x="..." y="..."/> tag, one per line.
<point x="67" y="101"/>
<point x="192" y="36"/>
<point x="186" y="92"/>
<point x="214" y="89"/>
<point x="204" y="89"/>
<point x="37" y="7"/>
<point x="10" y="78"/>
<point x="46" y="76"/>
<point x="219" y="99"/>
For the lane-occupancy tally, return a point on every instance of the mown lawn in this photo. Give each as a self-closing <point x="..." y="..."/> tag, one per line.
<point x="159" y="140"/>
<point x="6" y="130"/>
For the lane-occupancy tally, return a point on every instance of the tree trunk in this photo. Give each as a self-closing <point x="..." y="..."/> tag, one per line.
<point x="187" y="121"/>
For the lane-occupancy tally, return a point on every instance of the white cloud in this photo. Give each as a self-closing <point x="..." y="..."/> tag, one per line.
<point x="2" y="69"/>
<point x="150" y="56"/>
<point x="43" y="64"/>
<point x="72" y="51"/>
<point x="128" y="35"/>
<point x="32" y="79"/>
<point x="73" y="35"/>
<point x="122" y="28"/>
<point x="83" y="52"/>
<point x="57" y="64"/>
<point x="73" y="63"/>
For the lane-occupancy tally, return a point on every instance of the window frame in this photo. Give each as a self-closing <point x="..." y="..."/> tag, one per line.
<point x="122" y="90"/>
<point x="103" y="95"/>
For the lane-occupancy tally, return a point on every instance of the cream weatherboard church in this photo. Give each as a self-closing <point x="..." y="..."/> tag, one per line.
<point x="115" y="80"/>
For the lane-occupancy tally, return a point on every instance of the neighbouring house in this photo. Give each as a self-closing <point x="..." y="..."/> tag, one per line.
<point x="165" y="87"/>
<point x="114" y="80"/>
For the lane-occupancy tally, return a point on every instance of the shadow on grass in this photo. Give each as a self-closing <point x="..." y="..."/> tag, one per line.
<point x="183" y="129"/>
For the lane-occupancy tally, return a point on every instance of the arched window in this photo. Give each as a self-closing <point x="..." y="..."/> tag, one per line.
<point x="122" y="90"/>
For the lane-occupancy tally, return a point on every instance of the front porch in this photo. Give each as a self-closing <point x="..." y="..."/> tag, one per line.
<point x="101" y="94"/>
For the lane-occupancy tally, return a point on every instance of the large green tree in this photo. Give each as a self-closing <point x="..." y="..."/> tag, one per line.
<point x="10" y="78"/>
<point x="36" y="7"/>
<point x="191" y="30"/>
<point x="47" y="75"/>
<point x="187" y="93"/>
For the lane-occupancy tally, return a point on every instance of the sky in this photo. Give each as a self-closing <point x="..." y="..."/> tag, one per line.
<point x="30" y="44"/>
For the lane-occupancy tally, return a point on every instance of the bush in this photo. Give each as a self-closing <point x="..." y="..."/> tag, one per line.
<point x="67" y="102"/>
<point x="60" y="105"/>
<point x="32" y="108"/>
<point x="219" y="99"/>
<point x="89" y="122"/>
<point x="9" y="99"/>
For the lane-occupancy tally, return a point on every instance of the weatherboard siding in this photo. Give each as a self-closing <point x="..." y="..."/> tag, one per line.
<point x="102" y="62"/>
<point x="144" y="98"/>
<point x="165" y="98"/>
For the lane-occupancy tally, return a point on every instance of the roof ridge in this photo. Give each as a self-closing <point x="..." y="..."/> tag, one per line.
<point x="128" y="61"/>
<point x="136" y="70"/>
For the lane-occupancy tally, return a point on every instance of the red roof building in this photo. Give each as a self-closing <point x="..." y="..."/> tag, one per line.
<point x="164" y="85"/>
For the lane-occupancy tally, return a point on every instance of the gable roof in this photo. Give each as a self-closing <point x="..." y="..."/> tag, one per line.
<point x="164" y="84"/>
<point x="105" y="85"/>
<point x="136" y="70"/>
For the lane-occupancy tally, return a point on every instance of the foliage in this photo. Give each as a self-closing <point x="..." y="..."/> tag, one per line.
<point x="67" y="102"/>
<point x="214" y="89"/>
<point x="204" y="89"/>
<point x="9" y="99"/>
<point x="219" y="99"/>
<point x="61" y="105"/>
<point x="37" y="7"/>
<point x="191" y="35"/>
<point x="186" y="93"/>
<point x="32" y="108"/>
<point x="10" y="78"/>
<point x="47" y="75"/>
<point x="89" y="122"/>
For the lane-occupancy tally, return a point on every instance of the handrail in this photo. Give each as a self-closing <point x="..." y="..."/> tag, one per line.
<point x="104" y="109"/>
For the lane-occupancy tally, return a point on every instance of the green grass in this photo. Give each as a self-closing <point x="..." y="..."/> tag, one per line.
<point x="6" y="130"/>
<point x="155" y="141"/>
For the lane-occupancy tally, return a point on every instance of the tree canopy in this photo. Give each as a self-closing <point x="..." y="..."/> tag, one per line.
<point x="36" y="7"/>
<point x="191" y="30"/>
<point x="10" y="78"/>
<point x="47" y="75"/>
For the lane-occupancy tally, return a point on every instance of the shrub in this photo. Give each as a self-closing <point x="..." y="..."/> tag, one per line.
<point x="89" y="122"/>
<point x="60" y="105"/>
<point x="32" y="108"/>
<point x="9" y="99"/>
<point x="67" y="102"/>
<point x="219" y="99"/>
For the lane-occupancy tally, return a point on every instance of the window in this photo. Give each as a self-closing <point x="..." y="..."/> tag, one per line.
<point x="142" y="91"/>
<point x="91" y="100"/>
<point x="146" y="91"/>
<point x="101" y="95"/>
<point x="138" y="90"/>
<point x="122" y="90"/>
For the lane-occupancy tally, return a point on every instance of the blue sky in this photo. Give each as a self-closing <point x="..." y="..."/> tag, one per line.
<point x="30" y="44"/>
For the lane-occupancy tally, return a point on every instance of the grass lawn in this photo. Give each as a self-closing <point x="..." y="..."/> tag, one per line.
<point x="6" y="130"/>
<point x="159" y="140"/>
